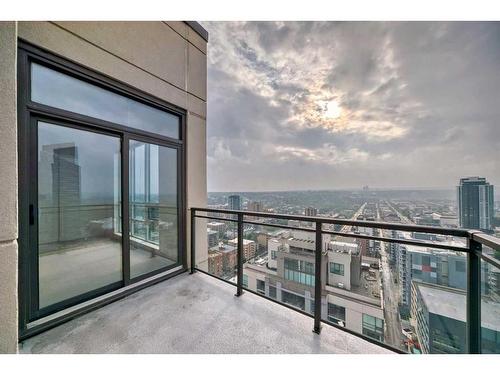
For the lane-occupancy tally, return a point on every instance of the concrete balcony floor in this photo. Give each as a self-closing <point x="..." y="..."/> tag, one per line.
<point x="194" y="314"/>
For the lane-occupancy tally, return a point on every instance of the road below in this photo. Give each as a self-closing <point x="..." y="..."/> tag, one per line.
<point x="393" y="334"/>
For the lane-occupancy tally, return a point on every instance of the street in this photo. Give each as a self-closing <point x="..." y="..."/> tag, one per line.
<point x="393" y="332"/>
<point x="394" y="335"/>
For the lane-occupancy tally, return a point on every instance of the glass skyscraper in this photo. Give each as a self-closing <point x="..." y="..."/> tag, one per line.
<point x="234" y="202"/>
<point x="475" y="203"/>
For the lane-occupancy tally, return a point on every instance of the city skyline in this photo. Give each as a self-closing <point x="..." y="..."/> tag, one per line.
<point x="339" y="105"/>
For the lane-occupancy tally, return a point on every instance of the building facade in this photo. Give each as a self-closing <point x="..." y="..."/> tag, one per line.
<point x="310" y="211"/>
<point x="439" y="314"/>
<point x="136" y="91"/>
<point x="234" y="202"/>
<point x="351" y="289"/>
<point x="475" y="200"/>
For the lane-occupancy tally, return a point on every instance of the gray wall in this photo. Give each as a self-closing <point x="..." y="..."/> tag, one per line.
<point x="166" y="59"/>
<point x="8" y="189"/>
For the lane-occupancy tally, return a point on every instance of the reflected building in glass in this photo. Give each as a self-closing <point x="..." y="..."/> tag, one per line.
<point x="60" y="191"/>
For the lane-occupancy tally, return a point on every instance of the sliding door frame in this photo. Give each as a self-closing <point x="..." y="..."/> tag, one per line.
<point x="29" y="113"/>
<point x="179" y="165"/>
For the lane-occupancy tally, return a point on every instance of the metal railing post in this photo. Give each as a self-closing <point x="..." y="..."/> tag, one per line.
<point x="239" y="285"/>
<point x="474" y="297"/>
<point x="317" y="279"/>
<point x="193" y="241"/>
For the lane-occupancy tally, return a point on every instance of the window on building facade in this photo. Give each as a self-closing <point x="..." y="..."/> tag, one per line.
<point x="299" y="271"/>
<point x="272" y="291"/>
<point x="337" y="268"/>
<point x="460" y="266"/>
<point x="293" y="299"/>
<point x="261" y="286"/>
<point x="55" y="89"/>
<point x="245" y="281"/>
<point x="373" y="327"/>
<point x="336" y="314"/>
<point x="426" y="260"/>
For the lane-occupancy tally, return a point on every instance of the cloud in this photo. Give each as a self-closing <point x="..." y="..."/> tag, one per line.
<point x="417" y="103"/>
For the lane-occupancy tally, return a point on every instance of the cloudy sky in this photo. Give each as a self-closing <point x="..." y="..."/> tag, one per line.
<point x="294" y="105"/>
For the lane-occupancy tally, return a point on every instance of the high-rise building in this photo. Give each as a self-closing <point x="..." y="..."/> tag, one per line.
<point x="234" y="202"/>
<point x="66" y="189"/>
<point x="310" y="211"/>
<point x="255" y="206"/>
<point x="475" y="203"/>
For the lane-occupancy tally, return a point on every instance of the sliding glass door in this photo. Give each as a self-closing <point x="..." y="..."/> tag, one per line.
<point x="79" y="239"/>
<point x="153" y="207"/>
<point x="101" y="188"/>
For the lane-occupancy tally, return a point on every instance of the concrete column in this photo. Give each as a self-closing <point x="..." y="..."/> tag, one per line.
<point x="8" y="188"/>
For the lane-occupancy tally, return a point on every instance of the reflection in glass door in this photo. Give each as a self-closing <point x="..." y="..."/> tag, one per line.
<point x="153" y="208"/>
<point x="79" y="231"/>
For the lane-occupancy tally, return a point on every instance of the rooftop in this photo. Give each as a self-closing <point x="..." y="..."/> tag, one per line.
<point x="451" y="303"/>
<point x="245" y="241"/>
<point x="194" y="314"/>
<point x="369" y="284"/>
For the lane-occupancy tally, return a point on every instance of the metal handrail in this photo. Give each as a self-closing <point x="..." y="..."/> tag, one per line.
<point x="473" y="249"/>
<point x="359" y="223"/>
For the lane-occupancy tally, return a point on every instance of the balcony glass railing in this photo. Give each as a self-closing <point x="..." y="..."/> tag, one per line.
<point x="409" y="288"/>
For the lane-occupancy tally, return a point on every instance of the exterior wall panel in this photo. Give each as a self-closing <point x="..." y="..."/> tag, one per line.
<point x="8" y="188"/>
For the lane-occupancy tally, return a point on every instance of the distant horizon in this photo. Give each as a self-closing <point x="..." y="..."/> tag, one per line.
<point x="344" y="189"/>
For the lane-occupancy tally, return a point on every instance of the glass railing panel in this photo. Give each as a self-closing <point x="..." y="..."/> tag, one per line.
<point x="412" y="298"/>
<point x="221" y="243"/>
<point x="279" y="264"/>
<point x="490" y="304"/>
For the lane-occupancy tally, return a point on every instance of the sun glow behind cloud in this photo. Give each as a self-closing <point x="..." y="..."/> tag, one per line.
<point x="384" y="96"/>
<point x="332" y="110"/>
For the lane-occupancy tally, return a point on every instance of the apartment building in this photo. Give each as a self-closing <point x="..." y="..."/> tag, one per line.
<point x="434" y="266"/>
<point x="218" y="227"/>
<point x="351" y="292"/>
<point x="249" y="247"/>
<point x="212" y="238"/>
<point x="475" y="197"/>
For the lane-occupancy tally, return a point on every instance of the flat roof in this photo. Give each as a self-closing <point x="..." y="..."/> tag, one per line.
<point x="223" y="248"/>
<point x="369" y="286"/>
<point x="452" y="304"/>
<point x="245" y="241"/>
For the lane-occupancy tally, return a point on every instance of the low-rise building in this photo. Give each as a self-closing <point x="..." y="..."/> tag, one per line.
<point x="212" y="238"/>
<point x="353" y="291"/>
<point x="217" y="226"/>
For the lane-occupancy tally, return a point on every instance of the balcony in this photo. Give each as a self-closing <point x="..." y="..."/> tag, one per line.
<point x="248" y="304"/>
<point x="193" y="314"/>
